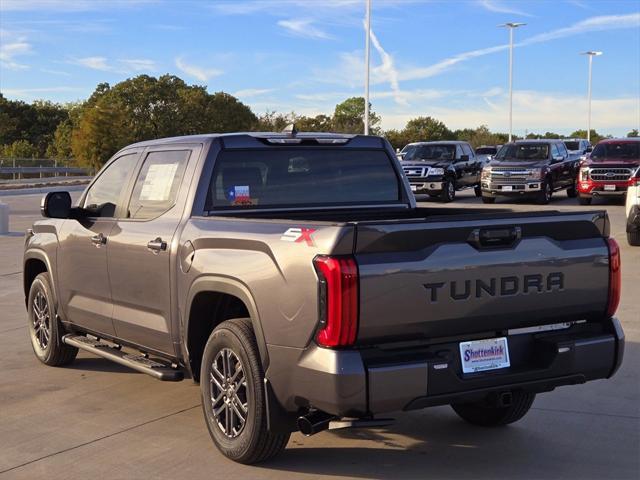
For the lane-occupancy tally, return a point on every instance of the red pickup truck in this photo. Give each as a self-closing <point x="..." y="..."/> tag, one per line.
<point x="609" y="170"/>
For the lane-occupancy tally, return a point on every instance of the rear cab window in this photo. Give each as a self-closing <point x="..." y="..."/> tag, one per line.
<point x="302" y="177"/>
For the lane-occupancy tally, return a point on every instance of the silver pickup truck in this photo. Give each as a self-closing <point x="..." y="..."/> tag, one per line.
<point x="294" y="277"/>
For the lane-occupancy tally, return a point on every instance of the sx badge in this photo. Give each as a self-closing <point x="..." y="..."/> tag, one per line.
<point x="298" y="235"/>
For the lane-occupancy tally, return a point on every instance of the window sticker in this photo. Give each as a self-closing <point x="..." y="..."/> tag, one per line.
<point x="158" y="182"/>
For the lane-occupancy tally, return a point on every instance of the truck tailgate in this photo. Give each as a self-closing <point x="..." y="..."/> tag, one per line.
<point x="451" y="276"/>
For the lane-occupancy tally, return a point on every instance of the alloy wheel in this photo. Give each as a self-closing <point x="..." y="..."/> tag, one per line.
<point x="228" y="393"/>
<point x="41" y="320"/>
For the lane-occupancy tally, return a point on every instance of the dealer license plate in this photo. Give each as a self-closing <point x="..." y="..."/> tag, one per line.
<point x="414" y="188"/>
<point x="482" y="355"/>
<point x="610" y="188"/>
<point x="507" y="188"/>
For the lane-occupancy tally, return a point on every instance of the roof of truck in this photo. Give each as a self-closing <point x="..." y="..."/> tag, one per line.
<point x="207" y="137"/>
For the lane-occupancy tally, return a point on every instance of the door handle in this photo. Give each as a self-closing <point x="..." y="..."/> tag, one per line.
<point x="157" y="245"/>
<point x="99" y="240"/>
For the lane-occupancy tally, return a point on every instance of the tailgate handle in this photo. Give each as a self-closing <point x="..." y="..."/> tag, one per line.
<point x="483" y="238"/>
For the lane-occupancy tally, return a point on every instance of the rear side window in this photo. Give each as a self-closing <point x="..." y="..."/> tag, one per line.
<point x="157" y="184"/>
<point x="467" y="150"/>
<point x="305" y="177"/>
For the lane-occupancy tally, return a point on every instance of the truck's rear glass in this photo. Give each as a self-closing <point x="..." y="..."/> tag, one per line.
<point x="302" y="177"/>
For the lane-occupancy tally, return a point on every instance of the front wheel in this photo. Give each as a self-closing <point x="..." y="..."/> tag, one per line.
<point x="45" y="329"/>
<point x="477" y="190"/>
<point x="633" y="239"/>
<point x="544" y="197"/>
<point x="572" y="191"/>
<point x="489" y="200"/>
<point x="233" y="397"/>
<point x="449" y="191"/>
<point x="486" y="415"/>
<point x="584" y="200"/>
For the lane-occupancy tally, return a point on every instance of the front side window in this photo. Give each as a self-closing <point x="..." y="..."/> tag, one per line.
<point x="158" y="182"/>
<point x="467" y="150"/>
<point x="304" y="177"/>
<point x="103" y="196"/>
<point x="524" y="152"/>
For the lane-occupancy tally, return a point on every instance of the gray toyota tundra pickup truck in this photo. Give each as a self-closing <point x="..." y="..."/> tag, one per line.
<point x="294" y="277"/>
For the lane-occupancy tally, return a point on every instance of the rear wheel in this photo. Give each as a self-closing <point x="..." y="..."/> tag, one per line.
<point x="584" y="200"/>
<point x="477" y="190"/>
<point x="633" y="238"/>
<point x="449" y="191"/>
<point x="45" y="329"/>
<point x="486" y="199"/>
<point x="487" y="415"/>
<point x="233" y="398"/>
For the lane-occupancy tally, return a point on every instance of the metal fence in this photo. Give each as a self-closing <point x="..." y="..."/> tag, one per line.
<point x="24" y="168"/>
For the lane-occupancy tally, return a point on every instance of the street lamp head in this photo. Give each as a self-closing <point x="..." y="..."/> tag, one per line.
<point x="512" y="24"/>
<point x="592" y="53"/>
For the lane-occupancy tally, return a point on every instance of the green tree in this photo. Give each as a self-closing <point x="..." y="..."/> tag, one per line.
<point x="19" y="149"/>
<point x="595" y="136"/>
<point x="348" y="117"/>
<point x="426" y="129"/>
<point x="271" y="121"/>
<point x="633" y="133"/>
<point x="319" y="123"/>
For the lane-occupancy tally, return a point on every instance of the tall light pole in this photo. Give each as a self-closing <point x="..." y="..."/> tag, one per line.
<point x="511" y="26"/>
<point x="367" y="54"/>
<point x="591" y="54"/>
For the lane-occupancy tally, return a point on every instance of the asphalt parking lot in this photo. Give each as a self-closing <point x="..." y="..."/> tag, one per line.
<point x="96" y="419"/>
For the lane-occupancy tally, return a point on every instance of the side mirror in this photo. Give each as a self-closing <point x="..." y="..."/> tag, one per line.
<point x="56" y="205"/>
<point x="464" y="158"/>
<point x="589" y="149"/>
<point x="397" y="150"/>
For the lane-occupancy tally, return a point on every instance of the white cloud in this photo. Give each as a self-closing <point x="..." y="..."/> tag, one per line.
<point x="12" y="46"/>
<point x="199" y="73"/>
<point x="387" y="69"/>
<point x="303" y="27"/>
<point x="499" y="7"/>
<point x="94" y="63"/>
<point x="138" y="64"/>
<point x="252" y="92"/>
<point x="55" y="72"/>
<point x="592" y="24"/>
<point x="35" y="93"/>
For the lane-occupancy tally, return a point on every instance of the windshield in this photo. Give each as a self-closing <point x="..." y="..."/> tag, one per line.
<point x="431" y="152"/>
<point x="486" y="150"/>
<point x="524" y="152"/>
<point x="302" y="177"/>
<point x="572" y="145"/>
<point x="618" y="151"/>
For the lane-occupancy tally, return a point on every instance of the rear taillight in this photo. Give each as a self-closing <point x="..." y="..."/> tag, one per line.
<point x="338" y="300"/>
<point x="615" y="277"/>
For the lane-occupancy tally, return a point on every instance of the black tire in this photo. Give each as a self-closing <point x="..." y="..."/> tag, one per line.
<point x="486" y="199"/>
<point x="477" y="190"/>
<point x="45" y="329"/>
<point x="434" y="195"/>
<point x="572" y="191"/>
<point x="484" y="415"/>
<point x="584" y="200"/>
<point x="544" y="197"/>
<point x="448" y="191"/>
<point x="252" y="442"/>
<point x="633" y="238"/>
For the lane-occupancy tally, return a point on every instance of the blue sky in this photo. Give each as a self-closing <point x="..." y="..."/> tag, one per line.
<point x="447" y="59"/>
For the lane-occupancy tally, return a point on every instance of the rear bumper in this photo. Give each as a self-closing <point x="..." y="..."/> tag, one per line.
<point x="370" y="381"/>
